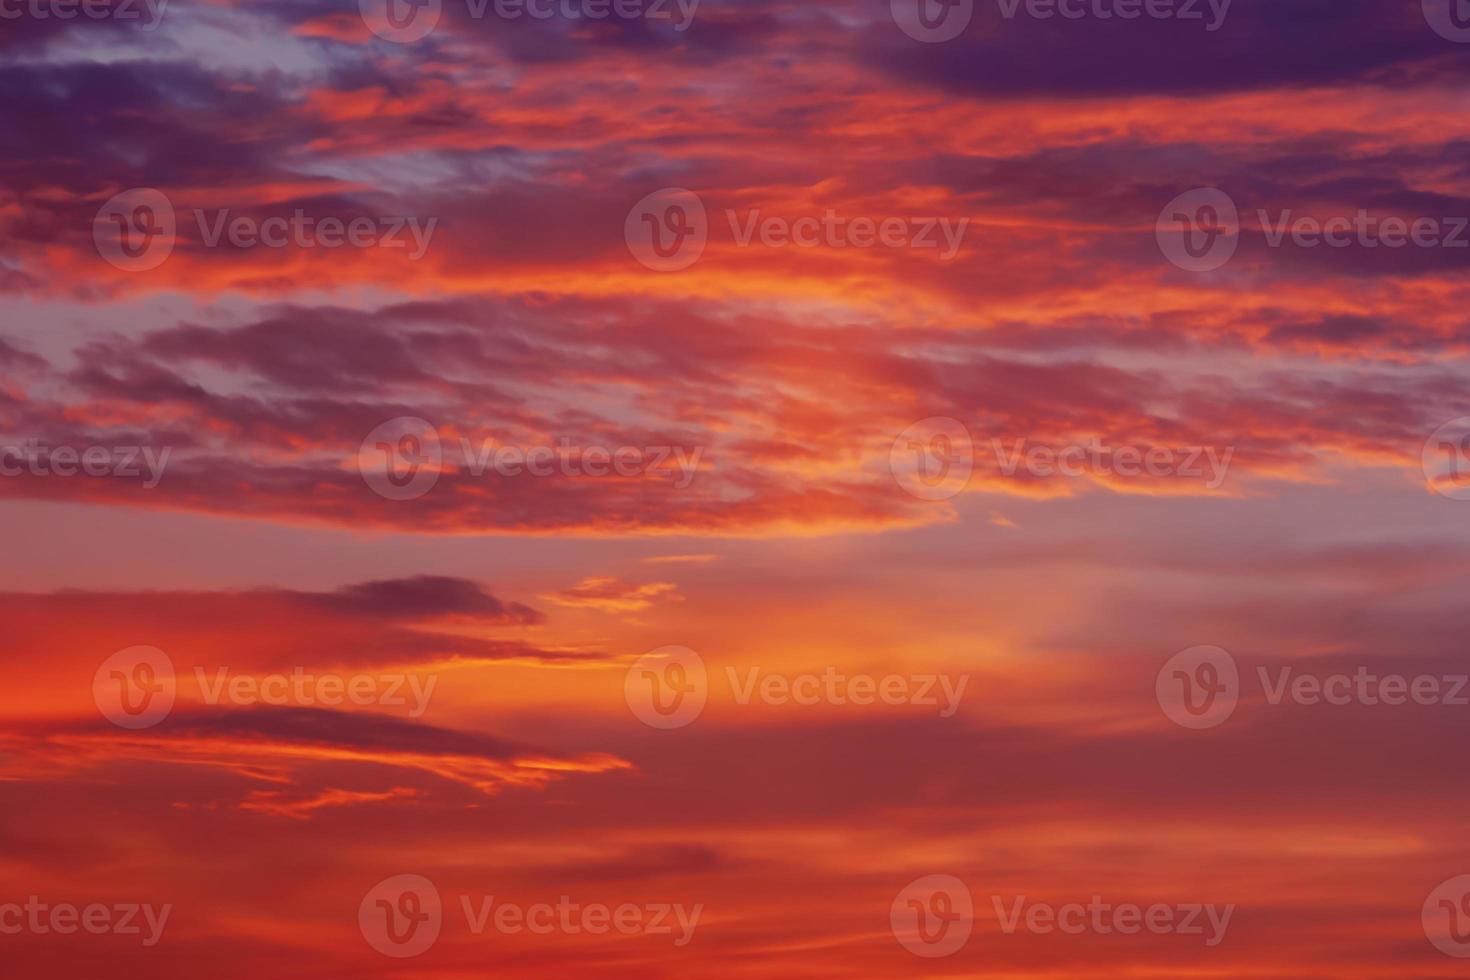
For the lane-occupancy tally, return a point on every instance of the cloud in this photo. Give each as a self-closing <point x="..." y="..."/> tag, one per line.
<point x="609" y="594"/>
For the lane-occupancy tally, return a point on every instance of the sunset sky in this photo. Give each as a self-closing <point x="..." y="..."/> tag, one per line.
<point x="768" y="462"/>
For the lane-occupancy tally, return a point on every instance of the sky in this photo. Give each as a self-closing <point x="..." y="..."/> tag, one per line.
<point x="736" y="488"/>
